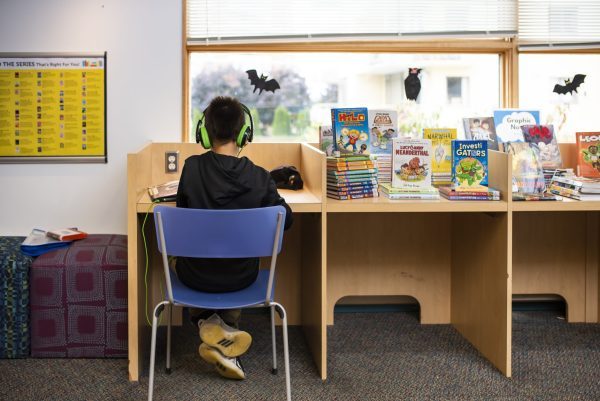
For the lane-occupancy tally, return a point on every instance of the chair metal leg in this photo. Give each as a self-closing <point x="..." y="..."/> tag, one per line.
<point x="274" y="370"/>
<point x="169" y="324"/>
<point x="157" y="311"/>
<point x="286" y="356"/>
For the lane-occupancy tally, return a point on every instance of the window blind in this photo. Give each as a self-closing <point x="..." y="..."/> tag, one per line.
<point x="218" y="21"/>
<point x="560" y="23"/>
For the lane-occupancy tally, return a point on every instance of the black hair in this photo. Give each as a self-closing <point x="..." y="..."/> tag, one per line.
<point x="224" y="119"/>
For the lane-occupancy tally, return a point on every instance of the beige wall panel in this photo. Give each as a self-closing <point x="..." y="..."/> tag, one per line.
<point x="390" y="254"/>
<point x="481" y="293"/>
<point x="549" y="257"/>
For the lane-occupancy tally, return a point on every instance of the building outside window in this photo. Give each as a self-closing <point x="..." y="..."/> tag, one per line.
<point x="311" y="84"/>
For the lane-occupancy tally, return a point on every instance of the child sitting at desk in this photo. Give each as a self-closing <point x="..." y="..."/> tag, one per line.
<point x="219" y="179"/>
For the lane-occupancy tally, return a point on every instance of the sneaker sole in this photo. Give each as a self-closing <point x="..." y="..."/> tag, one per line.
<point x="230" y="344"/>
<point x="225" y="367"/>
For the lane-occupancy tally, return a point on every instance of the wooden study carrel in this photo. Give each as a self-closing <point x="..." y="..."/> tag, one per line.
<point x="461" y="260"/>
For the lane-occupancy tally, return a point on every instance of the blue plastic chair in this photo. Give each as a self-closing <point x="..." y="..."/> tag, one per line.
<point x="205" y="233"/>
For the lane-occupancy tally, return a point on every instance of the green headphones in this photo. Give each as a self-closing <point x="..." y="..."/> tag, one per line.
<point x="243" y="137"/>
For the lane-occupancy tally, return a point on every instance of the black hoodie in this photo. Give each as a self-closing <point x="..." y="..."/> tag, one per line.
<point x="216" y="181"/>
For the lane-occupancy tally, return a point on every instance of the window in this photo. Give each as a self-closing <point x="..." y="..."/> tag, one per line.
<point x="569" y="113"/>
<point x="453" y="86"/>
<point x="455" y="90"/>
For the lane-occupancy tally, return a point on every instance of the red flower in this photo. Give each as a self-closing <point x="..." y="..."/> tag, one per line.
<point x="534" y="131"/>
<point x="545" y="134"/>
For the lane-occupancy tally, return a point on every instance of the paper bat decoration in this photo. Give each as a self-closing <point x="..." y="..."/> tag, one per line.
<point x="412" y="84"/>
<point x="261" y="82"/>
<point x="569" y="86"/>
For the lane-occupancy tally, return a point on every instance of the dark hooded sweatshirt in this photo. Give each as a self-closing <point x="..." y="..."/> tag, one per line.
<point x="216" y="181"/>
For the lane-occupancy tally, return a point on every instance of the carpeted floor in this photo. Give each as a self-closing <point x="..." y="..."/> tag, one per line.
<point x="372" y="356"/>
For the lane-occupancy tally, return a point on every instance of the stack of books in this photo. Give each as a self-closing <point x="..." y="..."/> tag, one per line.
<point x="39" y="242"/>
<point x="480" y="194"/>
<point x="574" y="187"/>
<point x="548" y="174"/>
<point x="408" y="193"/>
<point x="383" y="163"/>
<point x="351" y="177"/>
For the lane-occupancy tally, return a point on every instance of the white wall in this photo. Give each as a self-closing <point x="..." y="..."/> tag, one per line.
<point x="143" y="41"/>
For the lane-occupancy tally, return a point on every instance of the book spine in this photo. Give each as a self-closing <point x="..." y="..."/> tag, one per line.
<point x="470" y="197"/>
<point x="559" y="188"/>
<point x="351" y="172"/>
<point x="347" y="197"/>
<point x="450" y="192"/>
<point x="351" y="187"/>
<point x="351" y="180"/>
<point x="54" y="236"/>
<point x="413" y="196"/>
<point x="344" y="167"/>
<point x="353" y="191"/>
<point x="567" y="182"/>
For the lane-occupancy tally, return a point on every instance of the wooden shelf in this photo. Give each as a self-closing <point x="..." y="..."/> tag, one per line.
<point x="566" y="205"/>
<point x="384" y="204"/>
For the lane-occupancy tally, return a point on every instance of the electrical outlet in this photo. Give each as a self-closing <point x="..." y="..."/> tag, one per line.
<point x="171" y="162"/>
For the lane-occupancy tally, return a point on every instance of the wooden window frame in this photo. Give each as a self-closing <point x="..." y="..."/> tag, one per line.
<point x="507" y="49"/>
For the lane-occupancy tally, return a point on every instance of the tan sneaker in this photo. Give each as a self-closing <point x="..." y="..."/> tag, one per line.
<point x="230" y="341"/>
<point x="230" y="368"/>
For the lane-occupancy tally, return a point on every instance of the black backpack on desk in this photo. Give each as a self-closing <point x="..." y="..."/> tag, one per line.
<point x="287" y="177"/>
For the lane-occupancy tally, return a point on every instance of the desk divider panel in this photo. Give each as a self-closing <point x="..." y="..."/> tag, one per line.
<point x="481" y="279"/>
<point x="299" y="264"/>
<point x="138" y="178"/>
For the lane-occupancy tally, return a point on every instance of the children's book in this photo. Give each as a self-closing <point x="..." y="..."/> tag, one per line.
<point x="66" y="234"/>
<point x="543" y="137"/>
<point x="469" y="165"/>
<point x="411" y="163"/>
<point x="38" y="243"/>
<point x="588" y="154"/>
<point x="527" y="171"/>
<point x="383" y="126"/>
<point x="166" y="192"/>
<point x="351" y="130"/>
<point x="441" y="145"/>
<point x="326" y="139"/>
<point x="508" y="123"/>
<point x="481" y="128"/>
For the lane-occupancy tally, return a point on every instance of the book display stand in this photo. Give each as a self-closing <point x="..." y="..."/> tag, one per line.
<point x="461" y="260"/>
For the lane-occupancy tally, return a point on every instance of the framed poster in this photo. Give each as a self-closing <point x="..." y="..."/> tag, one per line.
<point x="52" y="108"/>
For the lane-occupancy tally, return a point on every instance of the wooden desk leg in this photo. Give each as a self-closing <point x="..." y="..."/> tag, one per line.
<point x="313" y="288"/>
<point x="481" y="283"/>
<point x="136" y="257"/>
<point x="592" y="283"/>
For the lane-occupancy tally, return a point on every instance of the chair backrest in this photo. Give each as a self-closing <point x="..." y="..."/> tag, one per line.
<point x="203" y="233"/>
<point x="207" y="233"/>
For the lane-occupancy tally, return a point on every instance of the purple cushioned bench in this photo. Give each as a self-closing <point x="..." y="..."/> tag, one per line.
<point x="79" y="299"/>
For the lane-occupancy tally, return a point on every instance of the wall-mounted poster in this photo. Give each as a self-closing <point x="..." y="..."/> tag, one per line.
<point x="52" y="108"/>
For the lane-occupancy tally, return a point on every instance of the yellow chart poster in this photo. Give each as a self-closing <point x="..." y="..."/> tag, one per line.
<point x="53" y="108"/>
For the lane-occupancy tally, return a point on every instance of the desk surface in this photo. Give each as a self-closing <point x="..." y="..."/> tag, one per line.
<point x="302" y="201"/>
<point x="566" y="205"/>
<point x="384" y="204"/>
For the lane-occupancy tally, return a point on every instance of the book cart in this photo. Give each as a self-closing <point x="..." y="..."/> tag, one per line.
<point x="299" y="266"/>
